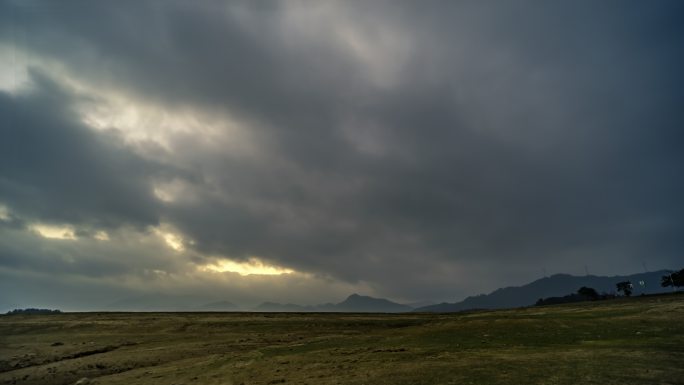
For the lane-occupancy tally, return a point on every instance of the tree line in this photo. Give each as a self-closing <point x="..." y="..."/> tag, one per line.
<point x="674" y="279"/>
<point x="33" y="311"/>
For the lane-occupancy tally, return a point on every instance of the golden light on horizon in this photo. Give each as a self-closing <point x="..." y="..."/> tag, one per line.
<point x="252" y="266"/>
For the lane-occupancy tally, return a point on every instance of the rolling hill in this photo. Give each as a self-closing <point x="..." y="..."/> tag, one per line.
<point x="355" y="303"/>
<point x="553" y="286"/>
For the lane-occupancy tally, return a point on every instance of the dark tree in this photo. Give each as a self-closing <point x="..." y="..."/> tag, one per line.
<point x="570" y="298"/>
<point x="675" y="278"/>
<point x="625" y="287"/>
<point x="588" y="292"/>
<point x="33" y="311"/>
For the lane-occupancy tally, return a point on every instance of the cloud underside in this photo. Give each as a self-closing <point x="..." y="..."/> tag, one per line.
<point x="406" y="151"/>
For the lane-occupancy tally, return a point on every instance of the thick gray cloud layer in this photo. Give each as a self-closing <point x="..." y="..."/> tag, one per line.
<point x="427" y="150"/>
<point x="55" y="168"/>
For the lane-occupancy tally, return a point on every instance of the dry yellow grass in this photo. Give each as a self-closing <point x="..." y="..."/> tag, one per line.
<point x="635" y="341"/>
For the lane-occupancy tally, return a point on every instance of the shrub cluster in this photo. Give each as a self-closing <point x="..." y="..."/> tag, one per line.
<point x="33" y="311"/>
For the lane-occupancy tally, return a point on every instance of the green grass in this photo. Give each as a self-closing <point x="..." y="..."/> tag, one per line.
<point x="627" y="341"/>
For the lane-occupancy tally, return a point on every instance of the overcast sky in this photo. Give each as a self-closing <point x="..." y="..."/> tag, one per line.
<point x="301" y="151"/>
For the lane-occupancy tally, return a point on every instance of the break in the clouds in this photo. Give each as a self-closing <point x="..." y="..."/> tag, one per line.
<point x="300" y="151"/>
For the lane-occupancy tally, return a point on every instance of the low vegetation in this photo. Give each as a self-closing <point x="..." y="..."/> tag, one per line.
<point x="583" y="294"/>
<point x="33" y="311"/>
<point x="674" y="279"/>
<point x="636" y="340"/>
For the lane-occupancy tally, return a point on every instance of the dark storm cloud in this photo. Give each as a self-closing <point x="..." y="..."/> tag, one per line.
<point x="55" y="169"/>
<point x="396" y="138"/>
<point x="18" y="251"/>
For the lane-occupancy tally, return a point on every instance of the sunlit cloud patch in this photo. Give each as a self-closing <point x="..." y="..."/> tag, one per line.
<point x="252" y="266"/>
<point x="65" y="232"/>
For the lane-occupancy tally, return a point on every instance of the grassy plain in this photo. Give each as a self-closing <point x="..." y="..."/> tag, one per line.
<point x="626" y="341"/>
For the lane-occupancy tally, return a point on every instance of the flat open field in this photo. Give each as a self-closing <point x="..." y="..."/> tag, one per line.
<point x="636" y="341"/>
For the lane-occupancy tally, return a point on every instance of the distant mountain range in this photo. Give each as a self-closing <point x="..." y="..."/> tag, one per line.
<point x="526" y="295"/>
<point x="219" y="306"/>
<point x="353" y="304"/>
<point x="553" y="286"/>
<point x="154" y="302"/>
